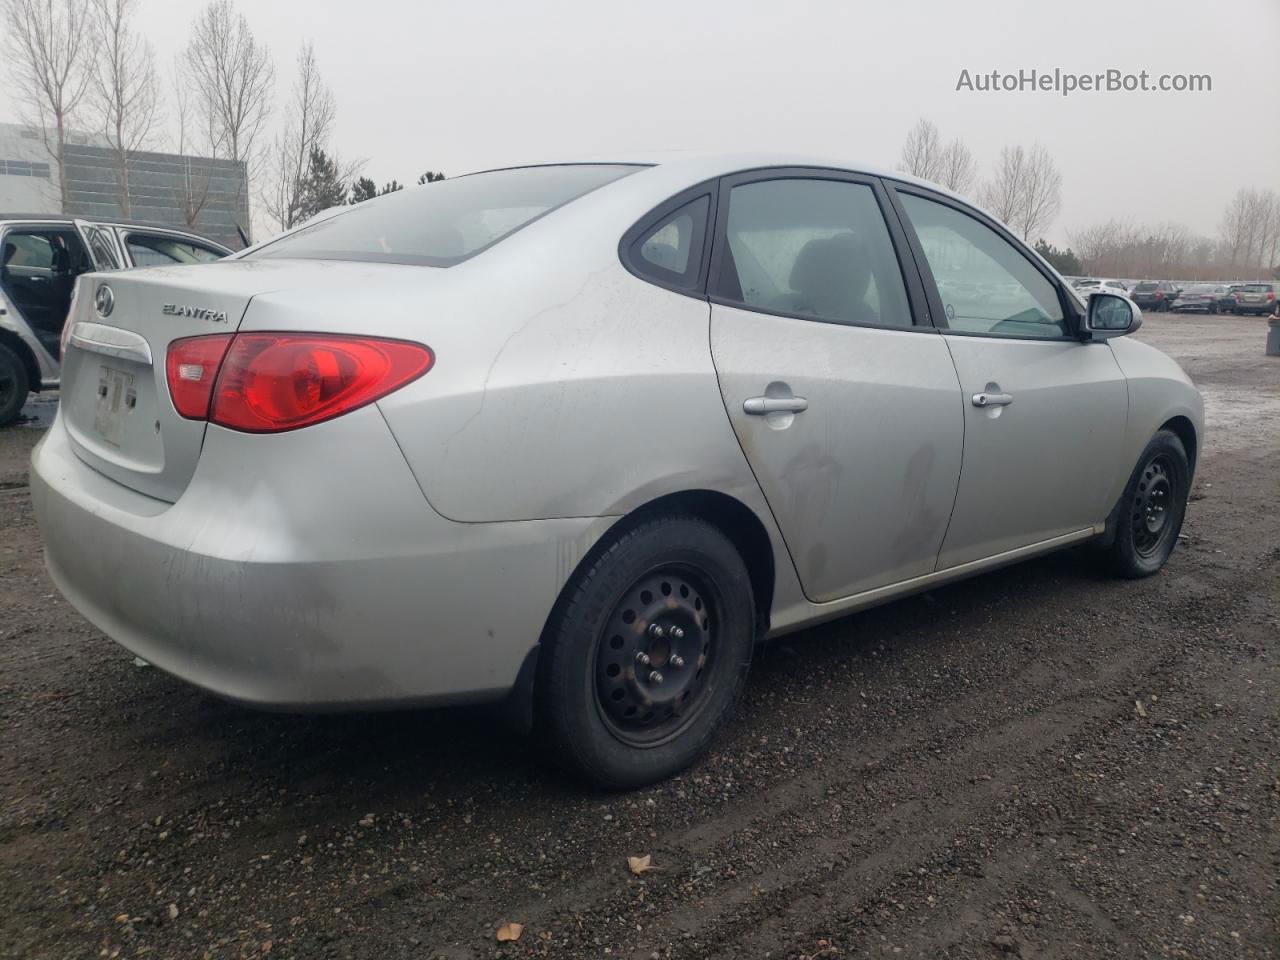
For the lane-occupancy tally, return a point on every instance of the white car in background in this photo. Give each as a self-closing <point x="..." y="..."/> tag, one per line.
<point x="1088" y="285"/>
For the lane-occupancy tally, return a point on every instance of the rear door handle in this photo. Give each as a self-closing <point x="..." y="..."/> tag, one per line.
<point x="759" y="406"/>
<point x="992" y="399"/>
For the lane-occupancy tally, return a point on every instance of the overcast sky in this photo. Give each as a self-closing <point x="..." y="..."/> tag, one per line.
<point x="458" y="86"/>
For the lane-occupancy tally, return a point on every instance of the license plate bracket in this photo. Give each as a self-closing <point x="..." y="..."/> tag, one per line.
<point x="117" y="398"/>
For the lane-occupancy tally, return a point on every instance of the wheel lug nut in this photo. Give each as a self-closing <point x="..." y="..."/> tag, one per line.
<point x="657" y="631"/>
<point x="655" y="677"/>
<point x="642" y="658"/>
<point x="677" y="632"/>
<point x="676" y="661"/>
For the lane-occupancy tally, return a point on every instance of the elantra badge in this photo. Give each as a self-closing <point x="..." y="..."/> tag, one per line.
<point x="199" y="313"/>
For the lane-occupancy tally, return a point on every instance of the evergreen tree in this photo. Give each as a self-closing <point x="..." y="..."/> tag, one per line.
<point x="323" y="187"/>
<point x="391" y="187"/>
<point x="1064" y="261"/>
<point x="430" y="177"/>
<point x="363" y="189"/>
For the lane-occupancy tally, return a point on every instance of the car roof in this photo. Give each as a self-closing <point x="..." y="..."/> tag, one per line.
<point x="700" y="165"/>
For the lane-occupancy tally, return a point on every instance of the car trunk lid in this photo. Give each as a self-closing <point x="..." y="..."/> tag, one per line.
<point x="116" y="403"/>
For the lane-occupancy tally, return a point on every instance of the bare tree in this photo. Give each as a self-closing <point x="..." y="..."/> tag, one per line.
<point x="1025" y="191"/>
<point x="1041" y="194"/>
<point x="956" y="169"/>
<point x="1234" y="227"/>
<point x="193" y="193"/>
<point x="1271" y="261"/>
<point x="922" y="151"/>
<point x="125" y="92"/>
<point x="232" y="77"/>
<point x="309" y="124"/>
<point x="1250" y="232"/>
<point x="1003" y="193"/>
<point x="49" y="46"/>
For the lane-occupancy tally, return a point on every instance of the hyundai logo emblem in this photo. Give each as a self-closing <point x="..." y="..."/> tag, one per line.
<point x="104" y="300"/>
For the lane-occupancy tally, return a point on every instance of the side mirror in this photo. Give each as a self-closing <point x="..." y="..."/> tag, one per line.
<point x="1110" y="315"/>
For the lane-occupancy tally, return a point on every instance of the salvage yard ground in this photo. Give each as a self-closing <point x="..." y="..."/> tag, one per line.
<point x="1041" y="762"/>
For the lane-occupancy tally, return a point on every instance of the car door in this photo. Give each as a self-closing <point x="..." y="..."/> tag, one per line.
<point x="1044" y="411"/>
<point x="843" y="397"/>
<point x="101" y="245"/>
<point x="40" y="264"/>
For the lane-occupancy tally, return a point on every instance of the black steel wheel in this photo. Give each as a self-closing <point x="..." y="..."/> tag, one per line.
<point x="654" y="656"/>
<point x="646" y="653"/>
<point x="14" y="385"/>
<point x="1151" y="514"/>
<point x="1144" y="526"/>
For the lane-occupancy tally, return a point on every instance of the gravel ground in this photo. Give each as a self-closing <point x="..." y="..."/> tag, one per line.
<point x="1041" y="762"/>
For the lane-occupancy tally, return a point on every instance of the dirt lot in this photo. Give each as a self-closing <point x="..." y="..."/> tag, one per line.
<point x="1041" y="763"/>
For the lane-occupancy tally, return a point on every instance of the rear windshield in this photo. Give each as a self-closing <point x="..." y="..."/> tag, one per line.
<point x="1257" y="288"/>
<point x="1145" y="286"/>
<point x="443" y="223"/>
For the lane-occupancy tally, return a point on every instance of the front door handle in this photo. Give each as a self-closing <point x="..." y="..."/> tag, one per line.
<point x="992" y="399"/>
<point x="759" y="406"/>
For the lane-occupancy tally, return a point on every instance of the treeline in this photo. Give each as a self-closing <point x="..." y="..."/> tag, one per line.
<point x="1247" y="246"/>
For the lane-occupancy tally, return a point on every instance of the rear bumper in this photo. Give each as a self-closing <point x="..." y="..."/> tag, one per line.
<point x="304" y="571"/>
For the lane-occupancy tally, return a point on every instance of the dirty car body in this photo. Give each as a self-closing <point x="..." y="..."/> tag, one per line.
<point x="382" y="459"/>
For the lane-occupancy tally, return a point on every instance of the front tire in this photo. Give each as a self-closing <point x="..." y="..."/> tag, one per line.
<point x="1151" y="509"/>
<point x="646" y="655"/>
<point x="14" y="385"/>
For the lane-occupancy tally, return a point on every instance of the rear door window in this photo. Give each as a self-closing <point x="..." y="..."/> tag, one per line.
<point x="443" y="223"/>
<point x="812" y="248"/>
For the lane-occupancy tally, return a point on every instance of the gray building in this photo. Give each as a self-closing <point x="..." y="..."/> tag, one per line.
<point x="201" y="194"/>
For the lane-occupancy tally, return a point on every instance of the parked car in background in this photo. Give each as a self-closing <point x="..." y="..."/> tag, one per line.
<point x="1203" y="297"/>
<point x="1088" y="285"/>
<point x="1233" y="297"/>
<point x="1257" y="298"/>
<point x="1227" y="302"/>
<point x="1154" y="295"/>
<point x="40" y="258"/>
<point x="599" y="418"/>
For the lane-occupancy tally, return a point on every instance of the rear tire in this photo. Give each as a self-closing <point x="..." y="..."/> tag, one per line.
<point x="14" y="385"/>
<point x="1149" y="516"/>
<point x="646" y="655"/>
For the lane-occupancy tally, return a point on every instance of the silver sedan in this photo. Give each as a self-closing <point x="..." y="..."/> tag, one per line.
<point x="575" y="437"/>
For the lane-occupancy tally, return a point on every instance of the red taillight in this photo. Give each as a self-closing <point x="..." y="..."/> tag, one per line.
<point x="1271" y="296"/>
<point x="1159" y="295"/>
<point x="282" y="381"/>
<point x="268" y="382"/>
<point x="191" y="367"/>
